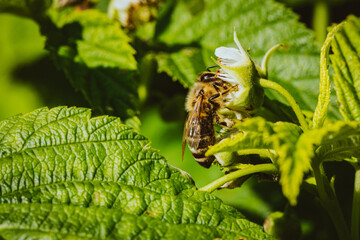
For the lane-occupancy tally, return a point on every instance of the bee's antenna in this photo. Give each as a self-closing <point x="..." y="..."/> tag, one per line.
<point x="208" y="68"/>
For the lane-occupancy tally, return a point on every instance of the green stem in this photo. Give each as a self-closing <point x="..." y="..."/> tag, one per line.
<point x="265" y="168"/>
<point x="329" y="202"/>
<point x="355" y="217"/>
<point x="274" y="86"/>
<point x="266" y="58"/>
<point x="320" y="20"/>
<point x="147" y="65"/>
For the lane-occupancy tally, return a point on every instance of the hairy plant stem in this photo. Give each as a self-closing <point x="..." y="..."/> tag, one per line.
<point x="274" y="86"/>
<point x="264" y="168"/>
<point x="325" y="84"/>
<point x="329" y="201"/>
<point x="355" y="217"/>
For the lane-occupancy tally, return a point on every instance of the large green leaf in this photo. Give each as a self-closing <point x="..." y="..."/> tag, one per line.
<point x="346" y="63"/>
<point x="66" y="175"/>
<point x="260" y="25"/>
<point x="183" y="65"/>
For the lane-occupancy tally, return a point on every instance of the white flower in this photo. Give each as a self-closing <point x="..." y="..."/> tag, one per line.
<point x="235" y="64"/>
<point x="237" y="68"/>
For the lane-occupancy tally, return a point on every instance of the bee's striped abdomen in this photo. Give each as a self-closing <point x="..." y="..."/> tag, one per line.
<point x="200" y="141"/>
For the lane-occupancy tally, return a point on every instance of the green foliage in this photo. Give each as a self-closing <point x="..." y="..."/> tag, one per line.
<point x="260" y="25"/>
<point x="20" y="43"/>
<point x="254" y="133"/>
<point x="68" y="175"/>
<point x="28" y="8"/>
<point x="293" y="151"/>
<point x="346" y="61"/>
<point x="183" y="66"/>
<point x="97" y="58"/>
<point x="94" y="53"/>
<point x="283" y="225"/>
<point x="337" y="142"/>
<point x="102" y="43"/>
<point x="284" y="139"/>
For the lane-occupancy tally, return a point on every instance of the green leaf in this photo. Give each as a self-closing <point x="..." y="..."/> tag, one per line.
<point x="102" y="43"/>
<point x="66" y="175"/>
<point x="96" y="56"/>
<point x="337" y="142"/>
<point x="300" y="3"/>
<point x="260" y="25"/>
<point x="346" y="63"/>
<point x="340" y="150"/>
<point x="27" y="8"/>
<point x="253" y="134"/>
<point x="57" y="222"/>
<point x="295" y="154"/>
<point x="184" y="65"/>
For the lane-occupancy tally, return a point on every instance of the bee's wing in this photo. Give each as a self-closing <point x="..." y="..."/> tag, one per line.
<point x="186" y="128"/>
<point x="192" y="124"/>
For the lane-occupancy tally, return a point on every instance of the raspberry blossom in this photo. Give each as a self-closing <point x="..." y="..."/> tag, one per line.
<point x="237" y="68"/>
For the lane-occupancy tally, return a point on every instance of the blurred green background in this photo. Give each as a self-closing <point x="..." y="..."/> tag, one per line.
<point x="20" y="44"/>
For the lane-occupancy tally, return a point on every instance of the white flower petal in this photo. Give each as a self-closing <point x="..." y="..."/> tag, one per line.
<point x="227" y="78"/>
<point x="234" y="94"/>
<point x="225" y="52"/>
<point x="230" y="56"/>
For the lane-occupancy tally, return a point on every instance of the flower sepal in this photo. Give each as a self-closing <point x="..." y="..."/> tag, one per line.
<point x="246" y="101"/>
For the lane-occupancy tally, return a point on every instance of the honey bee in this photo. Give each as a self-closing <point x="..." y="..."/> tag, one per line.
<point x="205" y="98"/>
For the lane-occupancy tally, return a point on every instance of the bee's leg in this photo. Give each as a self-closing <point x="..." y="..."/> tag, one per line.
<point x="220" y="93"/>
<point x="208" y="68"/>
<point x="229" y="89"/>
<point x="214" y="97"/>
<point x="216" y="85"/>
<point x="220" y="122"/>
<point x="223" y="121"/>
